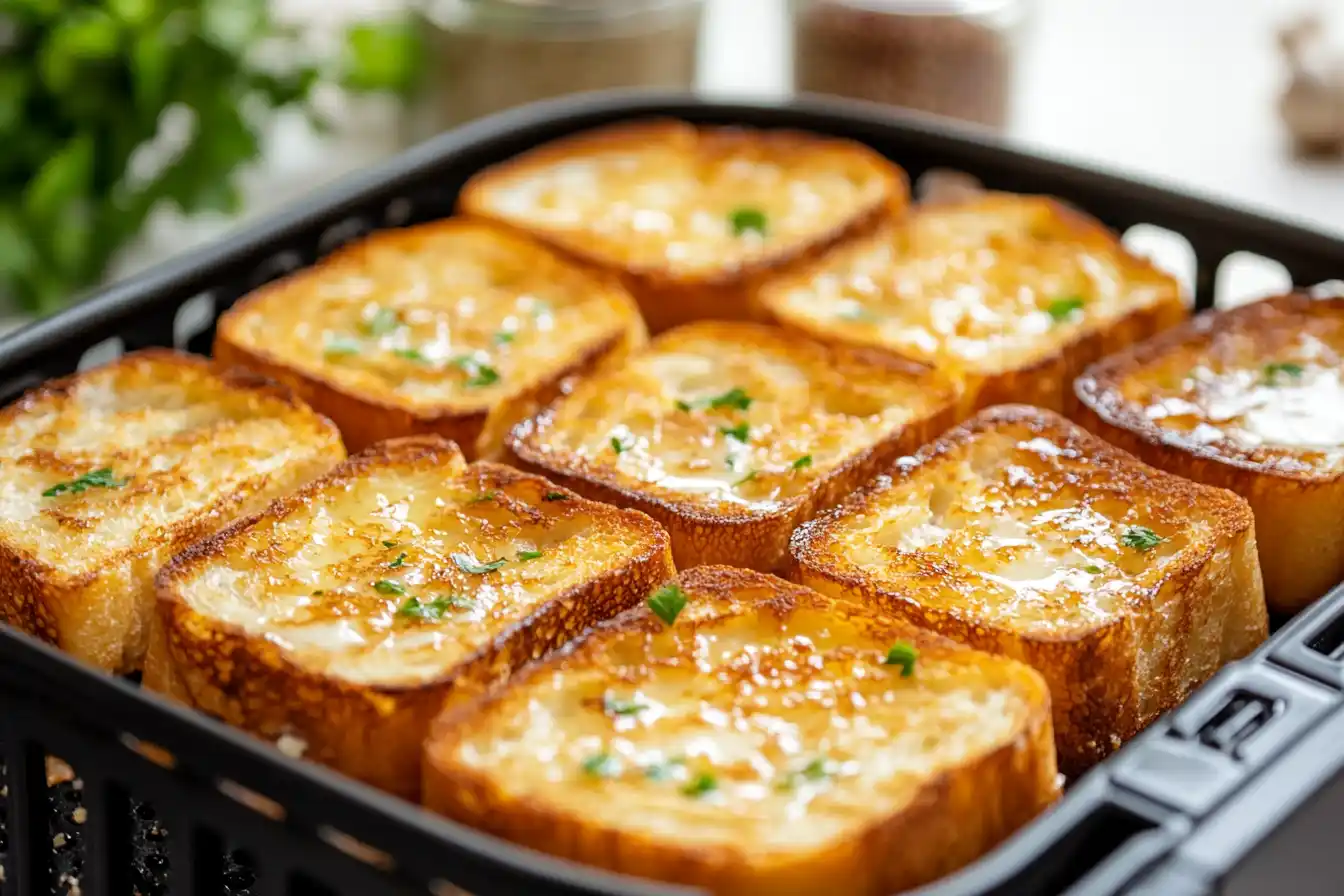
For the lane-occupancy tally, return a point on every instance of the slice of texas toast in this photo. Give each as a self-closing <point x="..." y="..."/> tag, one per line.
<point x="690" y="217"/>
<point x="1020" y="533"/>
<point x="459" y="328"/>
<point x="347" y="613"/>
<point x="106" y="474"/>
<point x="1251" y="400"/>
<point x="769" y="740"/>
<point x="731" y="434"/>
<point x="1014" y="295"/>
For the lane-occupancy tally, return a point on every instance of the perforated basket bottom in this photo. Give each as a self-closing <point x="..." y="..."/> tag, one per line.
<point x="149" y="870"/>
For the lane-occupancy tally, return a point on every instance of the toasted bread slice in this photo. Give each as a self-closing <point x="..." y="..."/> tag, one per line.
<point x="1012" y="295"/>
<point x="1020" y="533"/>
<point x="690" y="217"/>
<point x="1251" y="400"/>
<point x="459" y="328"/>
<point x="349" y="611"/>
<point x="763" y="742"/>
<point x="108" y="473"/>
<point x="731" y="434"/>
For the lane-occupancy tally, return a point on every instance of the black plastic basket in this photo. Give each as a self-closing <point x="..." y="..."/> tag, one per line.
<point x="1237" y="790"/>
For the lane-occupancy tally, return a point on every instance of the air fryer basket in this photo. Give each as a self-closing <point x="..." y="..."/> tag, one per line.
<point x="1235" y="791"/>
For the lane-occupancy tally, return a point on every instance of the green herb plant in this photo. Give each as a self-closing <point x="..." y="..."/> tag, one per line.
<point x="88" y="89"/>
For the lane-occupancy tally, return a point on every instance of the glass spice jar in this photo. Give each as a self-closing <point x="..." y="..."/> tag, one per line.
<point x="490" y="55"/>
<point x="948" y="57"/>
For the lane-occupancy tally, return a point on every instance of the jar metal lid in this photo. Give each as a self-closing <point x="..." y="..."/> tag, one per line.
<point x="930" y="7"/>
<point x="542" y="15"/>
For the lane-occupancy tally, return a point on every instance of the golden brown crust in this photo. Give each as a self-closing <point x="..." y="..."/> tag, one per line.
<point x="366" y="415"/>
<point x="373" y="730"/>
<point x="1043" y="380"/>
<point x="1297" y="495"/>
<point x="101" y="614"/>
<point x="667" y="295"/>
<point x="950" y="821"/>
<point x="706" y="532"/>
<point x="1109" y="677"/>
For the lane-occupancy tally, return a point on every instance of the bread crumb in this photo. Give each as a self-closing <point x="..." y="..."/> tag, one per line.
<point x="58" y="841"/>
<point x="80" y="815"/>
<point x="291" y="746"/>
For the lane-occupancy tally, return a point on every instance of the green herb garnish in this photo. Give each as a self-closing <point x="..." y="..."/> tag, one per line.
<point x="735" y="399"/>
<point x="662" y="771"/>
<point x="802" y="463"/>
<point x="744" y="219"/>
<point x="555" y="496"/>
<point x="856" y="312"/>
<point x="1092" y="568"/>
<point x="483" y="497"/>
<point x="601" y="765"/>
<point x="504" y="337"/>
<point x="399" y="562"/>
<point x="101" y="478"/>
<point x="1273" y="372"/>
<point x="340" y="346"/>
<point x="902" y="654"/>
<point x="751" y="474"/>
<point x="409" y="354"/>
<point x="741" y="432"/>
<point x="616" y="706"/>
<point x="469" y="565"/>
<point x="1141" y="538"/>
<point x="384" y="321"/>
<point x="528" y="555"/>
<point x="389" y="544"/>
<point x="478" y="373"/>
<point x="618" y="446"/>
<point x="387" y="586"/>
<point x="816" y="770"/>
<point x="1061" y="310"/>
<point x="435" y="609"/>
<point x="702" y="784"/>
<point x="667" y="603"/>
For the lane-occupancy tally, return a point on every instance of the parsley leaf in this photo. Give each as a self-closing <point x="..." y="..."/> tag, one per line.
<point x="1061" y="310"/>
<point x="504" y="337"/>
<point x="340" y="346"/>
<point x="741" y="432"/>
<point x="434" y="609"/>
<point x="855" y="312"/>
<point x="483" y="497"/>
<point x="528" y="555"/>
<point x="902" y="654"/>
<point x="1275" y="373"/>
<point x="616" y="706"/>
<point x="467" y="564"/>
<point x="601" y="765"/>
<point x="701" y="785"/>
<point x="555" y="496"/>
<point x="667" y="603"/>
<point x="662" y="771"/>
<point x="802" y="463"/>
<point x="389" y="544"/>
<point x="1141" y="538"/>
<point x="387" y="586"/>
<point x="816" y="770"/>
<point x="399" y="562"/>
<point x="485" y="376"/>
<point x="384" y="321"/>
<point x="101" y="478"/>
<point x="409" y="354"/>
<point x="751" y="474"/>
<point x="735" y="399"/>
<point x="1092" y="568"/>
<point x="746" y="219"/>
<point x="618" y="446"/>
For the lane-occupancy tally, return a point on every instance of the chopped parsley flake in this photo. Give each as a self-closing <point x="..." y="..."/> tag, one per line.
<point x="734" y="399"/>
<point x="855" y="312"/>
<point x="1141" y="538"/>
<point x="483" y="497"/>
<point x="752" y="474"/>
<point x="434" y="609"/>
<point x="902" y="654"/>
<point x="387" y="586"/>
<point x="469" y="565"/>
<point x="389" y="544"/>
<point x="741" y="432"/>
<point x="478" y="373"/>
<point x="339" y="346"/>
<point x="1275" y="373"/>
<point x="101" y="478"/>
<point x="601" y="765"/>
<point x="384" y="321"/>
<point x="662" y="771"/>
<point x="1061" y="310"/>
<point x="802" y="463"/>
<point x="1093" y="568"/>
<point x="667" y="603"/>
<point x="318" y="593"/>
<point x="746" y="219"/>
<point x="409" y="354"/>
<point x="618" y="446"/>
<point x="555" y="496"/>
<point x="504" y="337"/>
<point x="816" y="770"/>
<point x="616" y="706"/>
<point x="528" y="555"/>
<point x="702" y="784"/>
<point x="399" y="562"/>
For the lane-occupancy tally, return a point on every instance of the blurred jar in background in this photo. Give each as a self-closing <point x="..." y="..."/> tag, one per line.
<point x="948" y="57"/>
<point x="490" y="55"/>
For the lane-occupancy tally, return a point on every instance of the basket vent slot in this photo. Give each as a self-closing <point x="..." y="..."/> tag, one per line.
<point x="1329" y="641"/>
<point x="1167" y="250"/>
<point x="1245" y="277"/>
<point x="1237" y="721"/>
